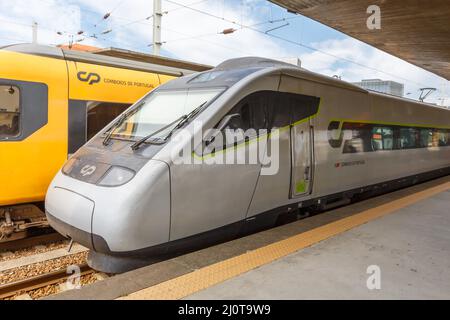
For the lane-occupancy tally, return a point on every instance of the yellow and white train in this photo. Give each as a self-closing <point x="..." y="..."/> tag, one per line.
<point x="51" y="102"/>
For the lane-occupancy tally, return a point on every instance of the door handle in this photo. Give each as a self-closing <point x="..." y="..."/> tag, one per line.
<point x="307" y="172"/>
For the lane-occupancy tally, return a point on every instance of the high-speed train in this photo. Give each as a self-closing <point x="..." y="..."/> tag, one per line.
<point x="320" y="141"/>
<point x="46" y="116"/>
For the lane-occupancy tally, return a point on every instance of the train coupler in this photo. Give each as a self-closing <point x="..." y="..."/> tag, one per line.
<point x="16" y="221"/>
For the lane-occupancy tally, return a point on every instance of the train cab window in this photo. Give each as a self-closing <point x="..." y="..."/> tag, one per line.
<point x="100" y="114"/>
<point x="382" y="138"/>
<point x="246" y="120"/>
<point x="9" y="111"/>
<point x="238" y="126"/>
<point x="408" y="138"/>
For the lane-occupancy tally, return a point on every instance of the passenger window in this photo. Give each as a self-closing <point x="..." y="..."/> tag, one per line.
<point x="382" y="138"/>
<point x="426" y="138"/>
<point x="358" y="137"/>
<point x="408" y="138"/>
<point x="9" y="111"/>
<point x="444" y="138"/>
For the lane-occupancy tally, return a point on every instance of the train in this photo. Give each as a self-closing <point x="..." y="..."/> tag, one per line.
<point x="53" y="100"/>
<point x="161" y="179"/>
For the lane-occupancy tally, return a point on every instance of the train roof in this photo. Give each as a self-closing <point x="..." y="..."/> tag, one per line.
<point x="193" y="74"/>
<point x="114" y="57"/>
<point x="231" y="71"/>
<point x="150" y="58"/>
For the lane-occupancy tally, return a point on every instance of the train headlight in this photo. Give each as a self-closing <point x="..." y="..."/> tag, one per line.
<point x="116" y="176"/>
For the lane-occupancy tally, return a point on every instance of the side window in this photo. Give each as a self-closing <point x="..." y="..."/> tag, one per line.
<point x="357" y="137"/>
<point x="279" y="111"/>
<point x="9" y="111"/>
<point x="248" y="117"/>
<point x="237" y="126"/>
<point x="382" y="138"/>
<point x="408" y="138"/>
<point x="443" y="137"/>
<point x="426" y="138"/>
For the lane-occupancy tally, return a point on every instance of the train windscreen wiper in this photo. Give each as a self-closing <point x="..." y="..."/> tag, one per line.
<point x="180" y="122"/>
<point x="118" y="123"/>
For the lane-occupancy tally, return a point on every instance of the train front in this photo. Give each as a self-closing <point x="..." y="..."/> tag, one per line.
<point x="113" y="195"/>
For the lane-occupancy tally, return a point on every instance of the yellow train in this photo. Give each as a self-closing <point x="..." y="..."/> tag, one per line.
<point x="52" y="101"/>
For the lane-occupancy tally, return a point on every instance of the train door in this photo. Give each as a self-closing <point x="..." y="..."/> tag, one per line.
<point x="302" y="146"/>
<point x="291" y="113"/>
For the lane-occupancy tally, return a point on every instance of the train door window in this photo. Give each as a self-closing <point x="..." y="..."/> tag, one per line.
<point x="426" y="138"/>
<point x="100" y="114"/>
<point x="382" y="138"/>
<point x="408" y="138"/>
<point x="358" y="137"/>
<point x="9" y="111"/>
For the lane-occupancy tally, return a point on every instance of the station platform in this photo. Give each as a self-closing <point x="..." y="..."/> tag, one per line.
<point x="395" y="246"/>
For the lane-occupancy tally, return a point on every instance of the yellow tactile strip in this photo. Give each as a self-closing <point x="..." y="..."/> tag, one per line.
<point x="201" y="279"/>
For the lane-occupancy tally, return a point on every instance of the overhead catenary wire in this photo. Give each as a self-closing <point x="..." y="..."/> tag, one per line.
<point x="242" y="26"/>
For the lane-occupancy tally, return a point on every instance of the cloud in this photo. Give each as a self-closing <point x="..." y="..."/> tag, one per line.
<point x="17" y="16"/>
<point x="373" y="63"/>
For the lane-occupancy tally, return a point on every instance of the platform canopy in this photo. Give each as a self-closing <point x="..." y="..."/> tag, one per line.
<point x="413" y="30"/>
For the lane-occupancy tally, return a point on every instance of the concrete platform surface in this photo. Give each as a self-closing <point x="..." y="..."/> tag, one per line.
<point x="406" y="235"/>
<point x="403" y="255"/>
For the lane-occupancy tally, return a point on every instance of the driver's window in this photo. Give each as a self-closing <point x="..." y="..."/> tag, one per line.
<point x="233" y="128"/>
<point x="238" y="125"/>
<point x="240" y="119"/>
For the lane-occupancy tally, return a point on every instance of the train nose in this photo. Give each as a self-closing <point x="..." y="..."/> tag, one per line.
<point x="66" y="209"/>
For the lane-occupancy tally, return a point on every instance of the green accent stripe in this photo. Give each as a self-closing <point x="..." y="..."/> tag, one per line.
<point x="390" y="123"/>
<point x="279" y="130"/>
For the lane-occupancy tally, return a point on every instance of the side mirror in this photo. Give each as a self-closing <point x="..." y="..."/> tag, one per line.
<point x="222" y="125"/>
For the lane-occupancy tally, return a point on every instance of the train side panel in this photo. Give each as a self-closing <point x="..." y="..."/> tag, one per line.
<point x="30" y="159"/>
<point x="339" y="169"/>
<point x="91" y="82"/>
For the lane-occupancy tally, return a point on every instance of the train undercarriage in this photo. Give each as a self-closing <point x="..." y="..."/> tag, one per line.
<point x="21" y="221"/>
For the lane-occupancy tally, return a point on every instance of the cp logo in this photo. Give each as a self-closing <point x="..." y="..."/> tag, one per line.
<point x="88" y="170"/>
<point x="92" y="78"/>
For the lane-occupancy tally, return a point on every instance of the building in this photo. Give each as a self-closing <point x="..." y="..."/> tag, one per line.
<point x="79" y="47"/>
<point x="389" y="87"/>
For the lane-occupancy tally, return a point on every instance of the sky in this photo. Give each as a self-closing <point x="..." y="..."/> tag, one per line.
<point x="191" y="30"/>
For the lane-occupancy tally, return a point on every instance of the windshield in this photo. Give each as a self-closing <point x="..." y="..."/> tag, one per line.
<point x="162" y="108"/>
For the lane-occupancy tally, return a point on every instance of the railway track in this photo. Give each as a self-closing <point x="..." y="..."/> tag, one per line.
<point x="41" y="281"/>
<point x="30" y="242"/>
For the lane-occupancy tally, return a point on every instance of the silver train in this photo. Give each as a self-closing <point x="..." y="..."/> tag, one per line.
<point x="125" y="197"/>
